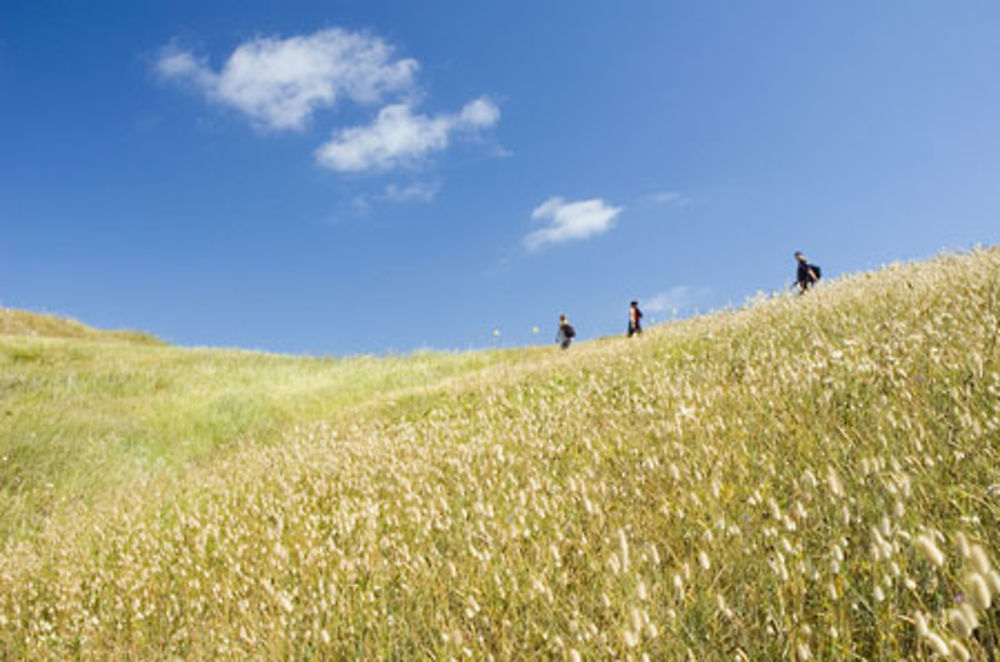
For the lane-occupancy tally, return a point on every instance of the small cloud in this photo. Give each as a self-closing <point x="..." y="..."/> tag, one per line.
<point x="416" y="192"/>
<point x="675" y="198"/>
<point x="478" y="113"/>
<point x="499" y="269"/>
<point x="421" y="192"/>
<point x="398" y="137"/>
<point x="570" y="220"/>
<point x="280" y="83"/>
<point x="501" y="152"/>
<point x="675" y="300"/>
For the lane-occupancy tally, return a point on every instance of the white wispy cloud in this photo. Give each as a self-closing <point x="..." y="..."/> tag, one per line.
<point x="666" y="198"/>
<point x="674" y="300"/>
<point x="570" y="220"/>
<point x="280" y="83"/>
<point x="399" y="137"/>
<point x="414" y="192"/>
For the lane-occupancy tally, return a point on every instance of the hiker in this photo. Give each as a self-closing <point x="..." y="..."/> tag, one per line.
<point x="807" y="274"/>
<point x="566" y="332"/>
<point x="634" y="315"/>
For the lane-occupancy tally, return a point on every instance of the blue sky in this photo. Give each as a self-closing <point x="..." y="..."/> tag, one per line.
<point x="345" y="177"/>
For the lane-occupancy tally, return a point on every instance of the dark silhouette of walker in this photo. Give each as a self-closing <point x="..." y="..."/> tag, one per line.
<point x="807" y="275"/>
<point x="566" y="332"/>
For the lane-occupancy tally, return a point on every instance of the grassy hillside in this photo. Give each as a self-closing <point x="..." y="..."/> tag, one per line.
<point x="26" y="323"/>
<point x="83" y="410"/>
<point x="811" y="478"/>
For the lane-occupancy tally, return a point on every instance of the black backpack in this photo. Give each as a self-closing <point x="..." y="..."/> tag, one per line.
<point x="569" y="331"/>
<point x="816" y="270"/>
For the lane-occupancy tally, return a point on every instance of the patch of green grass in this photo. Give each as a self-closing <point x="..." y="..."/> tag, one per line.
<point x="81" y="416"/>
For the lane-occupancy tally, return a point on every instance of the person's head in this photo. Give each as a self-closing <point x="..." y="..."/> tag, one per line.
<point x="562" y="318"/>
<point x="634" y="304"/>
<point x="800" y="256"/>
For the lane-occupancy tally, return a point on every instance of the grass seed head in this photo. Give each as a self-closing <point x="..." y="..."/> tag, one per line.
<point x="925" y="543"/>
<point x="978" y="591"/>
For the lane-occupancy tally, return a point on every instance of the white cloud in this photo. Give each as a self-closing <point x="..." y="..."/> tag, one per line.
<point x="416" y="192"/>
<point x="666" y="198"/>
<point x="398" y="137"/>
<point x="570" y="220"/>
<point x="280" y="83"/>
<point x="674" y="300"/>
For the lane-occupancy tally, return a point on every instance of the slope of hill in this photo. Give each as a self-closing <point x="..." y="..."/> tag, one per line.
<point x="83" y="412"/>
<point x="811" y="477"/>
<point x="26" y="323"/>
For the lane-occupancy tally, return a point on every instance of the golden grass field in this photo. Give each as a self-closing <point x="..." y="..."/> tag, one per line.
<point x="807" y="477"/>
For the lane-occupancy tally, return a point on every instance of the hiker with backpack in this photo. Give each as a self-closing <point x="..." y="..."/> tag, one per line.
<point x="634" y="315"/>
<point x="566" y="332"/>
<point x="807" y="274"/>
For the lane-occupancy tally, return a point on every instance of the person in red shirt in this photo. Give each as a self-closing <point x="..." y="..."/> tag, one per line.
<point x="634" y="315"/>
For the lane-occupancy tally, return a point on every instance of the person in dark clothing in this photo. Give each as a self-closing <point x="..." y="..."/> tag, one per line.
<point x="634" y="315"/>
<point x="807" y="274"/>
<point x="566" y="332"/>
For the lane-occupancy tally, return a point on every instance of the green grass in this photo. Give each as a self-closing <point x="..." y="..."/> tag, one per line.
<point x="812" y="477"/>
<point x="100" y="405"/>
<point x="26" y="323"/>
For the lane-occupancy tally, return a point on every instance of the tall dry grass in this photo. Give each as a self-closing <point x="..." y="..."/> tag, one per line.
<point x="808" y="478"/>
